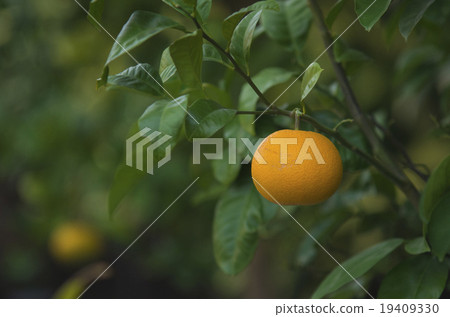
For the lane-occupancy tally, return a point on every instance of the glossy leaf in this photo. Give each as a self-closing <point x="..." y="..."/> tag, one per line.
<point x="141" y="77"/>
<point x="418" y="277"/>
<point x="225" y="171"/>
<point x="203" y="9"/>
<point x="216" y="94"/>
<point x="167" y="68"/>
<point x="437" y="186"/>
<point x="230" y="23"/>
<point x="417" y="246"/>
<point x="264" y="80"/>
<point x="350" y="160"/>
<point x="413" y="13"/>
<point x="370" y="11"/>
<point x="289" y="27"/>
<point x="322" y="231"/>
<point x="242" y="39"/>
<point x="310" y="78"/>
<point x="211" y="54"/>
<point x="438" y="228"/>
<point x="165" y="116"/>
<point x="96" y="11"/>
<point x="185" y="7"/>
<point x="238" y="216"/>
<point x="345" y="54"/>
<point x="141" y="26"/>
<point x="356" y="266"/>
<point x="334" y="13"/>
<point x="211" y="117"/>
<point x="187" y="54"/>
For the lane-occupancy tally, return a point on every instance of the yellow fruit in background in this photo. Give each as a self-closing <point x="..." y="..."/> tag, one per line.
<point x="294" y="167"/>
<point x="74" y="243"/>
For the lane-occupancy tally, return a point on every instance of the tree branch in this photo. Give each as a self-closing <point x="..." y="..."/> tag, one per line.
<point x="394" y="173"/>
<point x="408" y="162"/>
<point x="365" y="125"/>
<point x="330" y="132"/>
<point x="236" y="66"/>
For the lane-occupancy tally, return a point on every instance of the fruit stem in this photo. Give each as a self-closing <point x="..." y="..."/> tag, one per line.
<point x="297" y="113"/>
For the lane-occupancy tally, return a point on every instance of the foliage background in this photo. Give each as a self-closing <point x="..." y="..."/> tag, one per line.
<point x="61" y="141"/>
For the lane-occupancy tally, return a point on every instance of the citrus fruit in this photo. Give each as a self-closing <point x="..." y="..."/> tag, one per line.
<point x="293" y="167"/>
<point x="74" y="243"/>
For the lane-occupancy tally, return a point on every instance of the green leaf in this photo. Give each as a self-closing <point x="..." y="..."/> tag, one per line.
<point x="141" y="26"/>
<point x="418" y="277"/>
<point x="238" y="216"/>
<point x="264" y="80"/>
<point x="370" y="11"/>
<point x="356" y="266"/>
<point x="167" y="68"/>
<point x="211" y="54"/>
<point x="211" y="117"/>
<point x="242" y="39"/>
<point x="310" y="78"/>
<point x="344" y="54"/>
<point x="187" y="54"/>
<point x="165" y="116"/>
<point x="350" y="160"/>
<point x="225" y="171"/>
<point x="417" y="246"/>
<point x="438" y="228"/>
<point x="216" y="94"/>
<point x="125" y="179"/>
<point x="437" y="186"/>
<point x="413" y="13"/>
<point x="289" y="27"/>
<point x="230" y="23"/>
<point x="334" y="13"/>
<point x="142" y="77"/>
<point x="322" y="231"/>
<point x="203" y="9"/>
<point x="185" y="7"/>
<point x="96" y="12"/>
<point x="103" y="80"/>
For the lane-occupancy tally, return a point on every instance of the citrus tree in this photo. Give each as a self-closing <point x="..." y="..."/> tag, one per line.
<point x="189" y="102"/>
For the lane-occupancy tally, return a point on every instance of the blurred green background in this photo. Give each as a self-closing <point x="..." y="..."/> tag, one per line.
<point x="61" y="141"/>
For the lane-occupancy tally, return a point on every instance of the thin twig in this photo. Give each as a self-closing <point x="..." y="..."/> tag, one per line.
<point x="236" y="66"/>
<point x="408" y="162"/>
<point x="365" y="125"/>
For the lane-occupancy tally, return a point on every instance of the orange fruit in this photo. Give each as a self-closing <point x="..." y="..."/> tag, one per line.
<point x="294" y="167"/>
<point x="74" y="243"/>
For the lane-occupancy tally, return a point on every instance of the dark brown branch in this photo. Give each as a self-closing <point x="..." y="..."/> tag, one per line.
<point x="236" y="66"/>
<point x="365" y="125"/>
